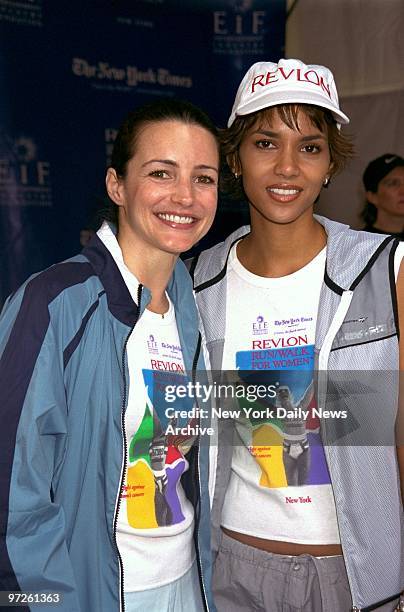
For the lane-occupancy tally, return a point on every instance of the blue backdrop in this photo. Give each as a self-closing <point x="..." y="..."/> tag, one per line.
<point x="70" y="71"/>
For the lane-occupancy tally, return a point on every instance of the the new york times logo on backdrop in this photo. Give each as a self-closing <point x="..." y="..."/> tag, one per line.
<point x="24" y="174"/>
<point x="108" y="76"/>
<point x="240" y="29"/>
<point x="21" y="12"/>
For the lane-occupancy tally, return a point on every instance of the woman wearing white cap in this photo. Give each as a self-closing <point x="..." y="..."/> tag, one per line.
<point x="306" y="508"/>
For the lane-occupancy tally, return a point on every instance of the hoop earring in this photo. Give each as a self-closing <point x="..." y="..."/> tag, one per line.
<point x="326" y="182"/>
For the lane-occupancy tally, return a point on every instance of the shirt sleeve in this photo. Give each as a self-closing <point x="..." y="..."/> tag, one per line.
<point x="398" y="256"/>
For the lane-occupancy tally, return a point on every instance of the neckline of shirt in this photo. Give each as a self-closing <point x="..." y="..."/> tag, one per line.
<point x="161" y="319"/>
<point x="107" y="236"/>
<point x="262" y="281"/>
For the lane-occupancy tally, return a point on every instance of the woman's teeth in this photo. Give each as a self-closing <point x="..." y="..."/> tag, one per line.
<point x="175" y="218"/>
<point x="280" y="191"/>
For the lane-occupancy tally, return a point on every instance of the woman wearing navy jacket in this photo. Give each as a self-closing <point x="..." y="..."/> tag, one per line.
<point x="95" y="513"/>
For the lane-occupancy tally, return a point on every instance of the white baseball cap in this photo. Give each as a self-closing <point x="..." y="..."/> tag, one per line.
<point x="289" y="81"/>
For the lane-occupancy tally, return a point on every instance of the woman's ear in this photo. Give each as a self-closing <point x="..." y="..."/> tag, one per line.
<point x="331" y="170"/>
<point x="114" y="187"/>
<point x="371" y="197"/>
<point x="233" y="162"/>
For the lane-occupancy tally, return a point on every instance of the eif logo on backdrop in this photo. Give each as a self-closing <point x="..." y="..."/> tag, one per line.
<point x="24" y="175"/>
<point x="21" y="12"/>
<point x="240" y="29"/>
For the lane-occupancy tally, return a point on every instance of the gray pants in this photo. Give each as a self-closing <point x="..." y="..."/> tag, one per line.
<point x="247" y="579"/>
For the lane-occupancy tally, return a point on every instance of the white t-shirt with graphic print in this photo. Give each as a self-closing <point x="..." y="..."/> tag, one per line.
<point x="155" y="520"/>
<point x="280" y="485"/>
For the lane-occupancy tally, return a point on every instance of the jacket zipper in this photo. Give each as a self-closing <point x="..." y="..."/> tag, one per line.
<point x="202" y="580"/>
<point x="124" y="465"/>
<point x="198" y="559"/>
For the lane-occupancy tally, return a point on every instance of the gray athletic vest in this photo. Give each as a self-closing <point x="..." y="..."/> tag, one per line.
<point x="357" y="362"/>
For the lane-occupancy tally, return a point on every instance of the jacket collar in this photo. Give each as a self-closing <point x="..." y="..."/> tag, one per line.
<point x="120" y="302"/>
<point x="341" y="267"/>
<point x="349" y="252"/>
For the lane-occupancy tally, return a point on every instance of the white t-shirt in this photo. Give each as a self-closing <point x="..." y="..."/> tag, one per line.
<point x="270" y="330"/>
<point x="155" y="521"/>
<point x="280" y="485"/>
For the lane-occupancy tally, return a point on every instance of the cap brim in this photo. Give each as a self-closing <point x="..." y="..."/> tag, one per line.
<point x="288" y="97"/>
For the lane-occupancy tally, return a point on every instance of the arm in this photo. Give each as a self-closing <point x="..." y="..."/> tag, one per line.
<point x="307" y="397"/>
<point x="400" y="416"/>
<point x="33" y="550"/>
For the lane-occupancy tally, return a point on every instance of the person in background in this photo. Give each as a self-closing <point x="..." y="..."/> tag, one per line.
<point x="293" y="300"/>
<point x="383" y="180"/>
<point x="94" y="507"/>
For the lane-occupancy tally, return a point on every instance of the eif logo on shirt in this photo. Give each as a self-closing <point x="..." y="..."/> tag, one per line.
<point x="152" y="345"/>
<point x="260" y="326"/>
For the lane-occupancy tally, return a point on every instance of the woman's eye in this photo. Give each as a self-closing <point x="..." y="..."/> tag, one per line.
<point x="393" y="183"/>
<point x="311" y="148"/>
<point x="159" y="173"/>
<point x="264" y="144"/>
<point x="205" y="179"/>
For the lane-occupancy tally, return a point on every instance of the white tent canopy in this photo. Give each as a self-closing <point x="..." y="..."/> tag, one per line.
<point x="362" y="42"/>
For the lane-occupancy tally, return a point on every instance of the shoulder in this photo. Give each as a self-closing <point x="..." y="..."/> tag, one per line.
<point x="352" y="253"/>
<point x="61" y="295"/>
<point x="43" y="288"/>
<point x="211" y="263"/>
